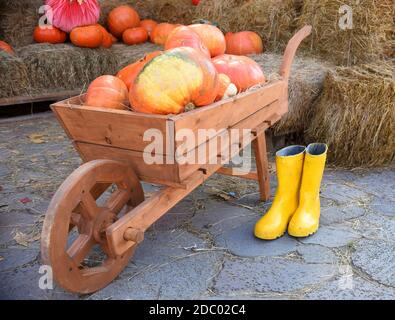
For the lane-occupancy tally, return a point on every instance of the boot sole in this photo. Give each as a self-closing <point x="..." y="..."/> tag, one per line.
<point x="271" y="239"/>
<point x="304" y="236"/>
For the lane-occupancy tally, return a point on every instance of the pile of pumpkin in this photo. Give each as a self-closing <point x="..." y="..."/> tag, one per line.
<point x="199" y="65"/>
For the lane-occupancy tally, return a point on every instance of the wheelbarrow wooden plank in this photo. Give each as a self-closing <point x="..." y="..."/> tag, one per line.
<point x="102" y="126"/>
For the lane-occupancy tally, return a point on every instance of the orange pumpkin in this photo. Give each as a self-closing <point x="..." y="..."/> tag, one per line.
<point x="148" y="25"/>
<point x="242" y="71"/>
<point x="87" y="37"/>
<point x="185" y="37"/>
<point x="4" y="46"/>
<point x="129" y="73"/>
<point x="122" y="18"/>
<point x="113" y="38"/>
<point x="107" y="37"/>
<point x="173" y="80"/>
<point x="135" y="36"/>
<point x="243" y="43"/>
<point x="161" y="32"/>
<point x="107" y="92"/>
<point x="49" y="35"/>
<point x="212" y="37"/>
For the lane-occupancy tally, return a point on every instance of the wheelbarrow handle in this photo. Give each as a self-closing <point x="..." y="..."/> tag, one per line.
<point x="290" y="50"/>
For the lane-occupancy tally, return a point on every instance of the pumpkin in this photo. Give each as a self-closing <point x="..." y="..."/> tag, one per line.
<point x="129" y="73"/>
<point x="161" y="32"/>
<point x="243" y="43"/>
<point x="87" y="37"/>
<point x="69" y="14"/>
<point x="49" y="34"/>
<point x="212" y="37"/>
<point x="135" y="35"/>
<point x="226" y="88"/>
<point x="173" y="80"/>
<point x="242" y="71"/>
<point x="113" y="38"/>
<point x="185" y="37"/>
<point x="148" y="25"/>
<point x="107" y="40"/>
<point x="107" y="92"/>
<point x="122" y="18"/>
<point x="4" y="46"/>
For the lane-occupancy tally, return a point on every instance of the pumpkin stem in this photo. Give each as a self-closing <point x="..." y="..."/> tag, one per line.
<point x="190" y="106"/>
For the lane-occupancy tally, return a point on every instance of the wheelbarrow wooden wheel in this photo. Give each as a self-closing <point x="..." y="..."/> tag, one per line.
<point x="75" y="224"/>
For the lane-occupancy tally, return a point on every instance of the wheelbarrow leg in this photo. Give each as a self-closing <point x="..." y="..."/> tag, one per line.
<point x="259" y="146"/>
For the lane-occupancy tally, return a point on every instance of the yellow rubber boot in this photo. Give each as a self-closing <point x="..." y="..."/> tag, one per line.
<point x="306" y="219"/>
<point x="289" y="165"/>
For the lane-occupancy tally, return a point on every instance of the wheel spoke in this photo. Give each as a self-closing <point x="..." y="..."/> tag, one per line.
<point x="80" y="248"/>
<point x="89" y="207"/>
<point x="118" y="200"/>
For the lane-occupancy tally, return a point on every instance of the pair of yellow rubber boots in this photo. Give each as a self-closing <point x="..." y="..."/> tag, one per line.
<point x="296" y="204"/>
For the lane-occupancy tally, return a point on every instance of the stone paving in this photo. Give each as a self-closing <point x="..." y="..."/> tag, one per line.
<point x="204" y="247"/>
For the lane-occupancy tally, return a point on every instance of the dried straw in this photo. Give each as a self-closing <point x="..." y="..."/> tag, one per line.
<point x="43" y="68"/>
<point x="173" y="11"/>
<point x="64" y="66"/>
<point x="371" y="35"/>
<point x="18" y="20"/>
<point x="356" y="115"/>
<point x="305" y="85"/>
<point x="14" y="80"/>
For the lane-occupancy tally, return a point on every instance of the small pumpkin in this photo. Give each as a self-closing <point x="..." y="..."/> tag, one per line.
<point x="87" y="37"/>
<point x="212" y="37"/>
<point x="107" y="92"/>
<point x="243" y="43"/>
<point x="49" y="34"/>
<point x="129" y="73"/>
<point x="242" y="71"/>
<point x="185" y="37"/>
<point x="173" y="80"/>
<point x="226" y="87"/>
<point x="148" y="25"/>
<point x="4" y="46"/>
<point x="107" y="37"/>
<point x="135" y="36"/>
<point x="121" y="18"/>
<point x="161" y="32"/>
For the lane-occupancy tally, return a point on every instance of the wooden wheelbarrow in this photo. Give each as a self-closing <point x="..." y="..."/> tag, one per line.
<point x="112" y="145"/>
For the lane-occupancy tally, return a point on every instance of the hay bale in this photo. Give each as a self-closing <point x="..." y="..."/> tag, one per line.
<point x="305" y="85"/>
<point x="50" y="68"/>
<point x="64" y="66"/>
<point x="14" y="79"/>
<point x="274" y="20"/>
<point x="356" y="115"/>
<point x="368" y="39"/>
<point x="173" y="11"/>
<point x="18" y="20"/>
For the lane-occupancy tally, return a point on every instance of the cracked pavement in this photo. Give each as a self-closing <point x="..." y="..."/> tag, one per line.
<point x="204" y="247"/>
